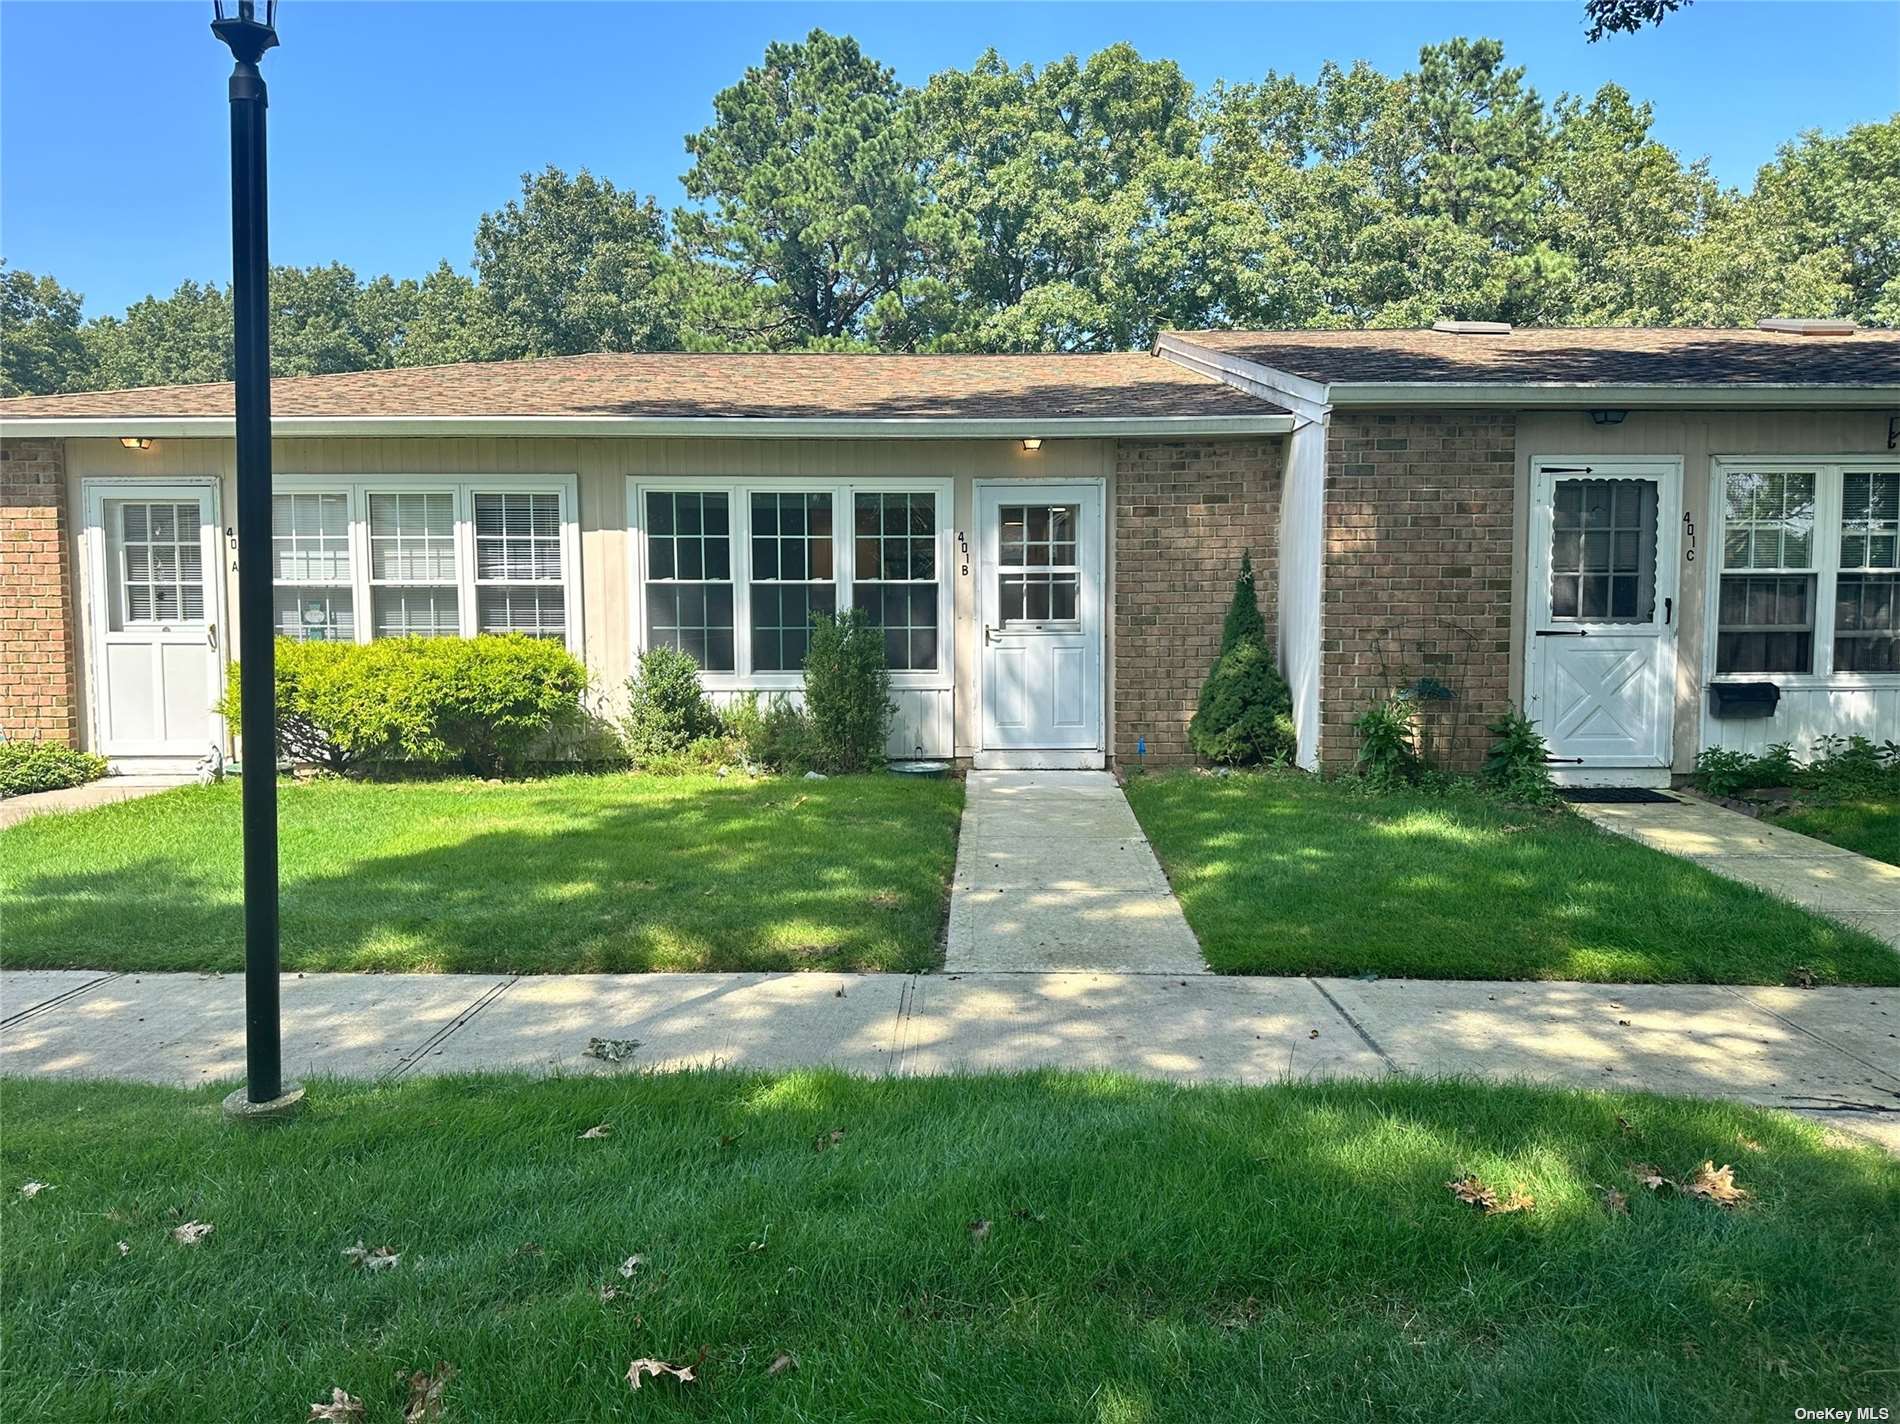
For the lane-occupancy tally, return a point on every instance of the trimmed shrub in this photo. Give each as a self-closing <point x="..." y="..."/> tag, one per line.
<point x="847" y="692"/>
<point x="1245" y="715"/>
<point x="487" y="702"/>
<point x="45" y="766"/>
<point x="774" y="734"/>
<point x="1516" y="769"/>
<point x="667" y="710"/>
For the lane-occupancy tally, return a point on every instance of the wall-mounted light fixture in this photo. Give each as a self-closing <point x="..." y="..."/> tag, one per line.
<point x="1607" y="417"/>
<point x="1033" y="443"/>
<point x="135" y="442"/>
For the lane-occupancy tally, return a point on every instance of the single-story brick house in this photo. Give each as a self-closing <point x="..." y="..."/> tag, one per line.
<point x="1652" y="540"/>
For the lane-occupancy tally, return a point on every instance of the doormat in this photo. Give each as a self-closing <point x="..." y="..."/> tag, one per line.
<point x="1616" y="796"/>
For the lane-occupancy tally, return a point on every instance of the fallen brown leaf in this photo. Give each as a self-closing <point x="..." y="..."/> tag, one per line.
<point x="528" y="1248"/>
<point x="630" y="1265"/>
<point x="1472" y="1192"/>
<point x="610" y="1050"/>
<point x="599" y="1129"/>
<point x="373" y="1258"/>
<point x="640" y="1369"/>
<point x="1649" y="1175"/>
<point x="1801" y="977"/>
<point x="342" y="1408"/>
<point x="979" y="1230"/>
<point x="781" y="1363"/>
<point x="1614" y="1202"/>
<point x="29" y="1190"/>
<point x="192" y="1232"/>
<point x="1715" y="1184"/>
<point x="607" y="1293"/>
<point x="828" y="1139"/>
<point x="425" y="1394"/>
<point x="1624" y="1125"/>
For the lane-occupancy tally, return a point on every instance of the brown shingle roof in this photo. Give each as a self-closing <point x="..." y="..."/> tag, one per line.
<point x="1668" y="356"/>
<point x="732" y="386"/>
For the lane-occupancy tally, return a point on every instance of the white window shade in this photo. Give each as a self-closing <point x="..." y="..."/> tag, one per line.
<point x="412" y="564"/>
<point x="520" y="576"/>
<point x="313" y="596"/>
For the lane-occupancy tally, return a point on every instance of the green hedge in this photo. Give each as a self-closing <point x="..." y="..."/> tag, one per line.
<point x="486" y="703"/>
<point x="45" y="766"/>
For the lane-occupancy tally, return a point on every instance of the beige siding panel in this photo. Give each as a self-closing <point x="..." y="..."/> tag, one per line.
<point x="1698" y="438"/>
<point x="938" y="721"/>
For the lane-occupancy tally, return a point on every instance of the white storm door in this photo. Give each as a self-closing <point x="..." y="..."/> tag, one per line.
<point x="1041" y="607"/>
<point x="154" y="606"/>
<point x="1603" y="604"/>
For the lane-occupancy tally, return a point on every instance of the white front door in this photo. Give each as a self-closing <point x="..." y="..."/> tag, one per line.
<point x="1040" y="600"/>
<point x="153" y="594"/>
<point x="1601" y="642"/>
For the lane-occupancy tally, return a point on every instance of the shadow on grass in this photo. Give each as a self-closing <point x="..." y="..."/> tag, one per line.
<point x="845" y="874"/>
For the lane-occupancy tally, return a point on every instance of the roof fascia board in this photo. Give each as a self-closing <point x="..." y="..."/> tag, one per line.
<point x="830" y="428"/>
<point x="1297" y="393"/>
<point x="1584" y="395"/>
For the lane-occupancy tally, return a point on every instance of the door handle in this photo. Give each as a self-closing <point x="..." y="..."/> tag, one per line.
<point x="1563" y="633"/>
<point x="211" y="636"/>
<point x="988" y="633"/>
<point x="1669" y="610"/>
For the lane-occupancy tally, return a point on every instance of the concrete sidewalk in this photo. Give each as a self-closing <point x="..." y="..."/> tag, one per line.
<point x="1829" y="1054"/>
<point x="103" y="792"/>
<point x="1841" y="884"/>
<point x="1054" y="875"/>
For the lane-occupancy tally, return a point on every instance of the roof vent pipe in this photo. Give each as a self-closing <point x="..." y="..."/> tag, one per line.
<point x="1806" y="326"/>
<point x="1473" y="328"/>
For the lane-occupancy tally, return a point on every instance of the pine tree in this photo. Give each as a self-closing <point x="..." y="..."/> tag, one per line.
<point x="1245" y="716"/>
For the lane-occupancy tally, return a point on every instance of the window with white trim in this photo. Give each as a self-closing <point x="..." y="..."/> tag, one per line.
<point x="689" y="588"/>
<point x="895" y="581"/>
<point x="414" y="586"/>
<point x="519" y="586"/>
<point x="157" y="562"/>
<point x="312" y="586"/>
<point x="1765" y="617"/>
<point x="734" y="574"/>
<point x="1866" y="631"/>
<point x="1810" y="577"/>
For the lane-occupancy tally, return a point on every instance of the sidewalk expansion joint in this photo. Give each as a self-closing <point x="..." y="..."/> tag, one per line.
<point x="900" y="1024"/>
<point x="1821" y="1039"/>
<point x="1355" y="1026"/>
<point x="434" y="1041"/>
<point x="33" y="1011"/>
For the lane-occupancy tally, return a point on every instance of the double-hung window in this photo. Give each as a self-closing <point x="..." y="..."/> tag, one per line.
<point x="734" y="571"/>
<point x="1810" y="577"/>
<point x="433" y="556"/>
<point x="313" y="593"/>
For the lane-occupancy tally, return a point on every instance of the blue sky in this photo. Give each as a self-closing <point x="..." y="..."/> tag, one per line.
<point x="394" y="125"/>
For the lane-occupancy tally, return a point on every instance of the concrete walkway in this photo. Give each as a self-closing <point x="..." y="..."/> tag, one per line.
<point x="1830" y="1054"/>
<point x="1838" y="883"/>
<point x="1054" y="874"/>
<point x="103" y="792"/>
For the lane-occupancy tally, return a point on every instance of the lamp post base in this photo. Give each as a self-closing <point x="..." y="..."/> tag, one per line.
<point x="239" y="1108"/>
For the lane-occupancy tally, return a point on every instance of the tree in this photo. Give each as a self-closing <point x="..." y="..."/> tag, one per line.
<point x="182" y="339"/>
<point x="448" y="320"/>
<point x="41" y="348"/>
<point x="322" y="320"/>
<point x="1063" y="202"/>
<point x="1626" y="16"/>
<point x="809" y="172"/>
<point x="576" y="265"/>
<point x="1245" y="714"/>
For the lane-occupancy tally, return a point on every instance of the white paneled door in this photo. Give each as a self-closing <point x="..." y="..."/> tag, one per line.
<point x="1603" y="608"/>
<point x="1040" y="601"/>
<point x="157" y="663"/>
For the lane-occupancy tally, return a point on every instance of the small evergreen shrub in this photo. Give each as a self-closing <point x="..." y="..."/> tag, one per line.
<point x="1245" y="713"/>
<point x="45" y="766"/>
<point x="486" y="702"/>
<point x="667" y="709"/>
<point x="1515" y="769"/>
<point x="1388" y="751"/>
<point x="773" y="734"/>
<point x="847" y="692"/>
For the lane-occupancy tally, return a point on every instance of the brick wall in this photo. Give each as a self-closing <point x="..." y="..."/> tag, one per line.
<point x="38" y="700"/>
<point x="1184" y="511"/>
<point x="1418" y="574"/>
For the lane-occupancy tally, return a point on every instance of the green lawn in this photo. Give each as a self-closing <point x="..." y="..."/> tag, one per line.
<point x="1286" y="874"/>
<point x="578" y="873"/>
<point x="1869" y="825"/>
<point x="1152" y="1253"/>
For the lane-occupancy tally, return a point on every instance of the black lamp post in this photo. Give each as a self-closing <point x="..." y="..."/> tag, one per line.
<point x="264" y="1092"/>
